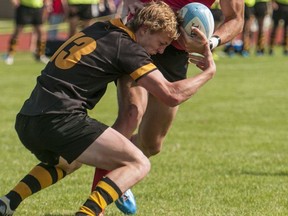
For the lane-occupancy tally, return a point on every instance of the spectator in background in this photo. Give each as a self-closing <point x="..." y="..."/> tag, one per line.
<point x="56" y="16"/>
<point x="280" y="12"/>
<point x="261" y="11"/>
<point x="81" y="10"/>
<point x="85" y="11"/>
<point x="80" y="13"/>
<point x="28" y="12"/>
<point x="107" y="7"/>
<point x="248" y="20"/>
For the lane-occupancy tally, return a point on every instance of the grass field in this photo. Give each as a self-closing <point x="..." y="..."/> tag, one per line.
<point x="226" y="153"/>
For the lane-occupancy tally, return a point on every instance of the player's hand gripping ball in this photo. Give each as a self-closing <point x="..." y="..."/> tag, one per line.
<point x="199" y="16"/>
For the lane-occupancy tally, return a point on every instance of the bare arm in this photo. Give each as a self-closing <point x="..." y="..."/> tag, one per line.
<point x="175" y="93"/>
<point x="233" y="12"/>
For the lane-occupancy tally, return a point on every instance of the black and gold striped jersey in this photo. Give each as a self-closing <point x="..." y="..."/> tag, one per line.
<point x="78" y="73"/>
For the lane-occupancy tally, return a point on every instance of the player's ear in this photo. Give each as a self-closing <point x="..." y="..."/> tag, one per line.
<point x="143" y="29"/>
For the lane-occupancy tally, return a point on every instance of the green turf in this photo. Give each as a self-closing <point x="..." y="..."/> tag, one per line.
<point x="226" y="153"/>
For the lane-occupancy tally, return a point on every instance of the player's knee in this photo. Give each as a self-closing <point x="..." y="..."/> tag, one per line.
<point x="151" y="150"/>
<point x="142" y="167"/>
<point x="138" y="166"/>
<point x="154" y="150"/>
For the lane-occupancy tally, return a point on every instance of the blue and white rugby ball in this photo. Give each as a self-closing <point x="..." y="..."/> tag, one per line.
<point x="197" y="15"/>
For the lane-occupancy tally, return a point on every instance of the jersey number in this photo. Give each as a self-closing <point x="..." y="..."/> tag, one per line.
<point x="67" y="59"/>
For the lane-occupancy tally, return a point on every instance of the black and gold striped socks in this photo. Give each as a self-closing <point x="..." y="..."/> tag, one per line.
<point x="12" y="46"/>
<point x="105" y="193"/>
<point x="40" y="177"/>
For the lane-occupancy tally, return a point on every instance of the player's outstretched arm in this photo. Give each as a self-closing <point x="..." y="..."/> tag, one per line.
<point x="233" y="12"/>
<point x="175" y="93"/>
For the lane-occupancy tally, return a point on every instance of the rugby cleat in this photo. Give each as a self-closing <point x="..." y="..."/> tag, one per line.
<point x="5" y="209"/>
<point x="126" y="203"/>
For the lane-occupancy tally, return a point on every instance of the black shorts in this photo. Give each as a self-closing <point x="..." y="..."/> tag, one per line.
<point x="173" y="63"/>
<point x="52" y="135"/>
<point x="280" y="13"/>
<point x="83" y="11"/>
<point x="27" y="15"/>
<point x="217" y="15"/>
<point x="261" y="9"/>
<point x="248" y="12"/>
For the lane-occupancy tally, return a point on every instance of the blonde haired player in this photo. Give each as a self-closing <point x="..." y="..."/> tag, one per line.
<point x="53" y="123"/>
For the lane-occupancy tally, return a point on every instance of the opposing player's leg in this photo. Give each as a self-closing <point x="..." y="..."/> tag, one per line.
<point x="158" y="117"/>
<point x="154" y="126"/>
<point x="132" y="103"/>
<point x="128" y="165"/>
<point x="39" y="178"/>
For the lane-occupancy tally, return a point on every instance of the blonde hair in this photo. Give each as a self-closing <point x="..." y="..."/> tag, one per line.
<point x="157" y="16"/>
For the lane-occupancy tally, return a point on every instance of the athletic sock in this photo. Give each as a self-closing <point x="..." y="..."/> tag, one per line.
<point x="98" y="175"/>
<point x="40" y="49"/>
<point x="40" y="177"/>
<point x="105" y="193"/>
<point x="261" y="41"/>
<point x="246" y="43"/>
<point x="12" y="46"/>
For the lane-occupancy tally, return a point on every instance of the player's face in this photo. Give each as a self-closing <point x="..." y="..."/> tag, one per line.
<point x="154" y="43"/>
